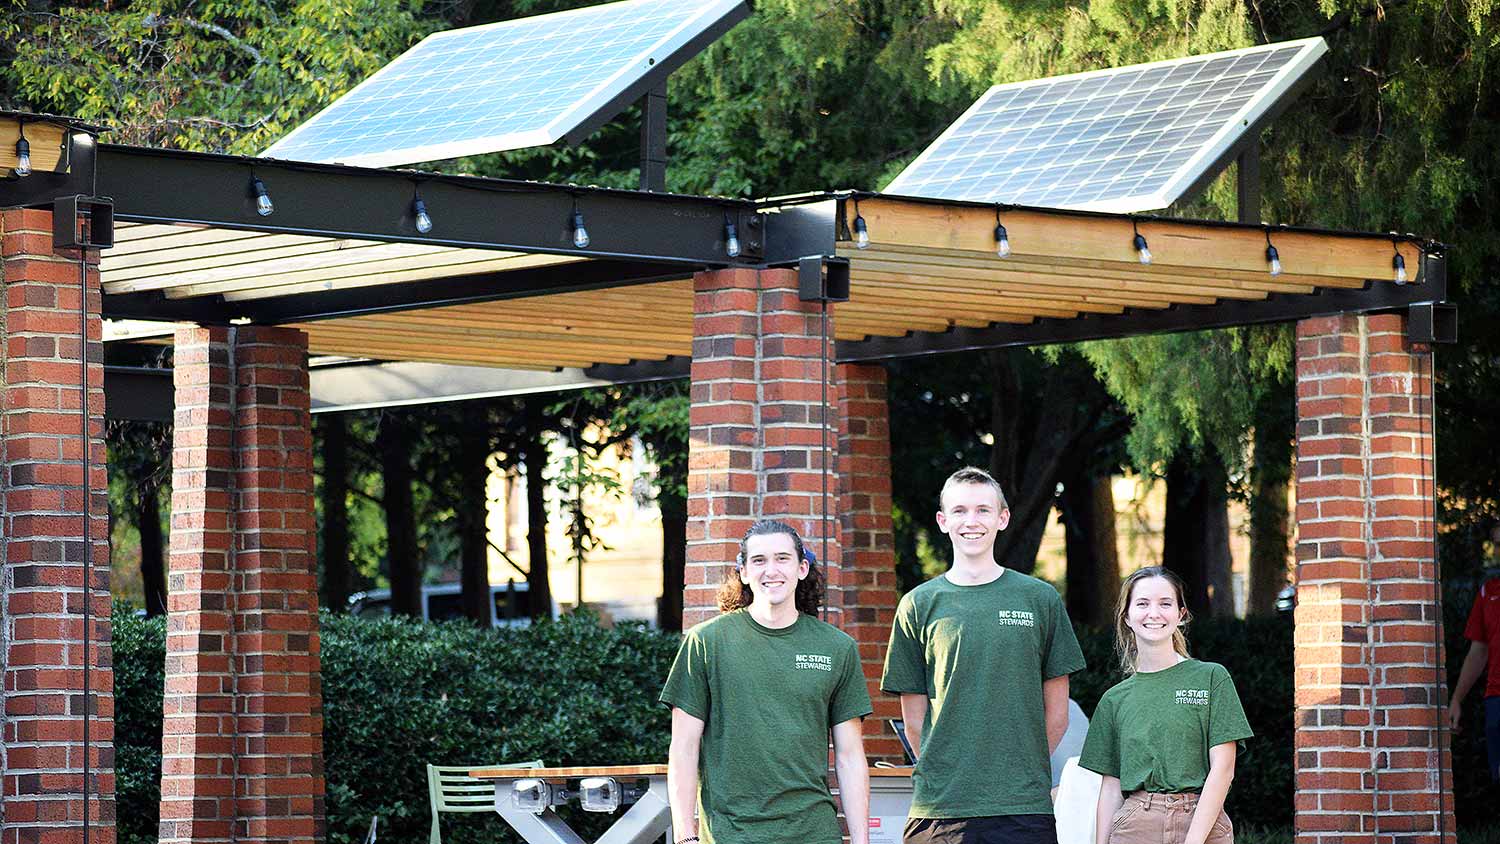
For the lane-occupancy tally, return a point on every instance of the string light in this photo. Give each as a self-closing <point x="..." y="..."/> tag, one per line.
<point x="263" y="204"/>
<point x="580" y="233"/>
<point x="861" y="231"/>
<point x="1142" y="251"/>
<point x="23" y="152"/>
<point x="731" y="238"/>
<point x="1002" y="239"/>
<point x="1272" y="258"/>
<point x="1398" y="263"/>
<point x="419" y="212"/>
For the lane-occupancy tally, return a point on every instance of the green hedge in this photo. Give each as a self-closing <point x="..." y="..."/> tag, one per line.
<point x="399" y="694"/>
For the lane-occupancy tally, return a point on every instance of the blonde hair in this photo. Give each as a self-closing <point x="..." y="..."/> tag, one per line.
<point x="972" y="475"/>
<point x="1125" y="647"/>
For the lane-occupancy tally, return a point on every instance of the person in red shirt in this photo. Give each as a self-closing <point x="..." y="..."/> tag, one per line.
<point x="1483" y="633"/>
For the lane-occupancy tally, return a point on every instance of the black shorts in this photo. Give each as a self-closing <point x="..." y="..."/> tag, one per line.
<point x="1000" y="829"/>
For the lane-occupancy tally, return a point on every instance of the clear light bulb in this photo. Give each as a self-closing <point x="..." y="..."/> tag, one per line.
<point x="419" y="211"/>
<point x="1141" y="250"/>
<point x="23" y="158"/>
<point x="861" y="233"/>
<point x="731" y="241"/>
<point x="580" y="234"/>
<point x="1274" y="260"/>
<point x="263" y="204"/>
<point x="1002" y="241"/>
<point x="1400" y="265"/>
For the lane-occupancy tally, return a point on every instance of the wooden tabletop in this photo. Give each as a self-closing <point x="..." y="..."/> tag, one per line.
<point x="891" y="772"/>
<point x="556" y="773"/>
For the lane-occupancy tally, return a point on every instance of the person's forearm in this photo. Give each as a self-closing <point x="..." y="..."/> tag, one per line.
<point x="1110" y="799"/>
<point x="682" y="789"/>
<point x="1474" y="663"/>
<point x="913" y="713"/>
<point x="852" y="769"/>
<point x="1057" y="725"/>
<point x="1055" y="710"/>
<point x="1210" y="804"/>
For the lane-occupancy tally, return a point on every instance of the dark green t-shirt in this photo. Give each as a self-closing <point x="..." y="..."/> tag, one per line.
<point x="980" y="653"/>
<point x="768" y="699"/>
<point x="1153" y="730"/>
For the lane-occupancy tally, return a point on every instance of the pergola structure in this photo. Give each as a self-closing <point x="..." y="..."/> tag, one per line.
<point x="783" y="343"/>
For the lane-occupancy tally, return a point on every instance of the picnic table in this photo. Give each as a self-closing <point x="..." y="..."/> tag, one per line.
<point x="643" y="787"/>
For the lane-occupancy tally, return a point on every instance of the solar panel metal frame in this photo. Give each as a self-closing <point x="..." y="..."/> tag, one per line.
<point x="1205" y="163"/>
<point x="633" y="80"/>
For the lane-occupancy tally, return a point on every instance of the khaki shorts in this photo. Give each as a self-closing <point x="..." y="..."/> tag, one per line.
<point x="1146" y="818"/>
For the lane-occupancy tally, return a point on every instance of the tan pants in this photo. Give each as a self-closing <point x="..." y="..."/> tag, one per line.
<point x="1146" y="818"/>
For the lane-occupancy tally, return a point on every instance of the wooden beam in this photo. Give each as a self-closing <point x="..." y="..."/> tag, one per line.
<point x="1174" y="245"/>
<point x="46" y="141"/>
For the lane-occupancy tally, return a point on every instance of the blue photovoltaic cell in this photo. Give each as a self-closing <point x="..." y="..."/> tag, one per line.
<point x="1126" y="139"/>
<point x="508" y="85"/>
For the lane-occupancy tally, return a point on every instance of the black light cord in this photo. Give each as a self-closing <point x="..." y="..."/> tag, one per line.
<point x="1426" y="414"/>
<point x="823" y="430"/>
<point x="88" y="543"/>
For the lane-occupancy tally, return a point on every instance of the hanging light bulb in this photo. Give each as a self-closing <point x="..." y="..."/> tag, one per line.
<point x="580" y="234"/>
<point x="1274" y="260"/>
<point x="1141" y="250"/>
<point x="1399" y="264"/>
<point x="1002" y="240"/>
<point x="23" y="155"/>
<point x="419" y="213"/>
<point x="731" y="239"/>
<point x="263" y="204"/>
<point x="861" y="233"/>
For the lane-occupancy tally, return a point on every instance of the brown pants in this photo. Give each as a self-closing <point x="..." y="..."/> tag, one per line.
<point x="1146" y="818"/>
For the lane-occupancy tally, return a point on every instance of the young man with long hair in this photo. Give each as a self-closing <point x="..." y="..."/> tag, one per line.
<point x="980" y="657"/>
<point x="754" y="694"/>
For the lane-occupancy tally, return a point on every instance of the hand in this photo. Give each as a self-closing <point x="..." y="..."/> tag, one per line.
<point x="1455" y="716"/>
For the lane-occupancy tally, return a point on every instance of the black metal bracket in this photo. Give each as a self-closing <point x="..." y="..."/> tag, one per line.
<point x="1432" y="322"/>
<point x="823" y="279"/>
<point x="83" y="222"/>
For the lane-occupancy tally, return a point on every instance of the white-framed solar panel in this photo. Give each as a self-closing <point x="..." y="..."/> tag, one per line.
<point x="1119" y="140"/>
<point x="510" y="85"/>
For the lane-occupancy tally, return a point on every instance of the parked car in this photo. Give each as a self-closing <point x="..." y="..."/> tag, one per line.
<point x="508" y="605"/>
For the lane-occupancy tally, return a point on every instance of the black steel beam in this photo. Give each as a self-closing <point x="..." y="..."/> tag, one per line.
<point x="654" y="139"/>
<point x="1279" y="307"/>
<point x="138" y="393"/>
<point x="411" y="295"/>
<point x="163" y="186"/>
<point x="676" y="366"/>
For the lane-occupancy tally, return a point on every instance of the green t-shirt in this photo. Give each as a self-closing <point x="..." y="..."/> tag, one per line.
<point x="768" y="699"/>
<point x="980" y="653"/>
<point x="1153" y="730"/>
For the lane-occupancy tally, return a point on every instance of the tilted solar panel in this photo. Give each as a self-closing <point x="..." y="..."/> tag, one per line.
<point x="509" y="85"/>
<point x="1121" y="140"/>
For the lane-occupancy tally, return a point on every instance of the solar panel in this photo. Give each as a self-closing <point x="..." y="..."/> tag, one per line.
<point x="1121" y="140"/>
<point x="509" y="85"/>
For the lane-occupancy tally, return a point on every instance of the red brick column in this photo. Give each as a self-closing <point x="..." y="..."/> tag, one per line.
<point x="757" y="416"/>
<point x="867" y="578"/>
<point x="42" y="488"/>
<point x="242" y="737"/>
<point x="1373" y="763"/>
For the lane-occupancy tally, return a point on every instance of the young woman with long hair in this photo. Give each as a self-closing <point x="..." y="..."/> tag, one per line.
<point x="1164" y="738"/>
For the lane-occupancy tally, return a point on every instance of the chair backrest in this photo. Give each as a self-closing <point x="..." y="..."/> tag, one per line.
<point x="451" y="789"/>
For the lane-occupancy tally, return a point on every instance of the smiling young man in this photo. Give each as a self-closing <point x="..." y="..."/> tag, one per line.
<point x="980" y="657"/>
<point x="754" y="694"/>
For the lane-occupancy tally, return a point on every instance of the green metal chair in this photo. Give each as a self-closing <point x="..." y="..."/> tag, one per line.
<point x="451" y="789"/>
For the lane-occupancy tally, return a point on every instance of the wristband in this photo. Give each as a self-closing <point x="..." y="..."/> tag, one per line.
<point x="686" y="840"/>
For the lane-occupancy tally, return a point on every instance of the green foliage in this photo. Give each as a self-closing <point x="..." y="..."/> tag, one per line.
<point x="219" y="75"/>
<point x="140" y="658"/>
<point x="398" y="695"/>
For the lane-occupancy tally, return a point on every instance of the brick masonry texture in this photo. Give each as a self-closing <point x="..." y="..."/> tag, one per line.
<point x="757" y="449"/>
<point x="44" y="471"/>
<point x="1373" y="762"/>
<point x="242" y="733"/>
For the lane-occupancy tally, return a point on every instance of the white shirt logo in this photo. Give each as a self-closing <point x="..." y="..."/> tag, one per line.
<point x="1017" y="618"/>
<point x="815" y="661"/>
<point x="1193" y="697"/>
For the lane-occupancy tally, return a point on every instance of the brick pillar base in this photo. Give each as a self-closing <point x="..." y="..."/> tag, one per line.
<point x="867" y="578"/>
<point x="1373" y="764"/>
<point x="43" y="472"/>
<point x="242" y="736"/>
<point x="757" y="437"/>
